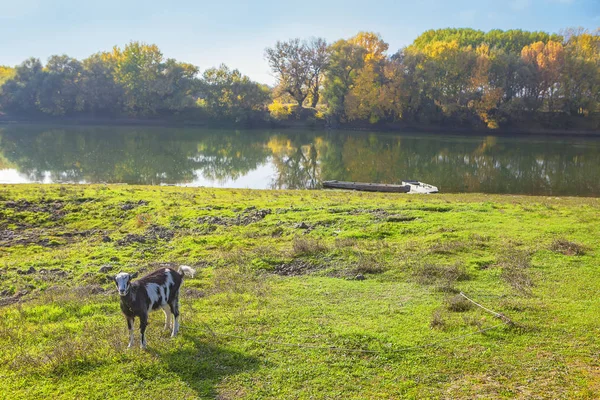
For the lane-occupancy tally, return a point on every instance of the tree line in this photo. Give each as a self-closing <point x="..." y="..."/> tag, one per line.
<point x="461" y="77"/>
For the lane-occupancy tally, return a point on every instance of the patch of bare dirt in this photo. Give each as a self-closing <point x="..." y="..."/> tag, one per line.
<point x="130" y="205"/>
<point x="4" y="301"/>
<point x="246" y="217"/>
<point x="10" y="238"/>
<point x="152" y="234"/>
<point x="295" y="268"/>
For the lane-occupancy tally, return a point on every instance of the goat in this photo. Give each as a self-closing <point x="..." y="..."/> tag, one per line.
<point x="159" y="289"/>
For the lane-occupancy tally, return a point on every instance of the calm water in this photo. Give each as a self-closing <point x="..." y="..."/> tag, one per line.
<point x="297" y="159"/>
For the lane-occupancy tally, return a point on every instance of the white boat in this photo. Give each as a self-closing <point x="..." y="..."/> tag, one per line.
<point x="420" y="187"/>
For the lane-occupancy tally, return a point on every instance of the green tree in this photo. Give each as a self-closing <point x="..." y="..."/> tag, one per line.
<point x="227" y="94"/>
<point x="60" y="92"/>
<point x="20" y="94"/>
<point x="101" y="93"/>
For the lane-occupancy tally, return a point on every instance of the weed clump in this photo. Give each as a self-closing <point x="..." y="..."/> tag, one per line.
<point x="442" y="276"/>
<point x="307" y="247"/>
<point x="515" y="264"/>
<point x="447" y="247"/>
<point x="437" y="320"/>
<point x="369" y="264"/>
<point x="458" y="303"/>
<point x="566" y="247"/>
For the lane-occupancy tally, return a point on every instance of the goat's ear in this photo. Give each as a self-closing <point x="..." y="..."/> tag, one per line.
<point x="111" y="278"/>
<point x="134" y="275"/>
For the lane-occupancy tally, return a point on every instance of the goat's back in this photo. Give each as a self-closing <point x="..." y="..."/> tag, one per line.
<point x="168" y="278"/>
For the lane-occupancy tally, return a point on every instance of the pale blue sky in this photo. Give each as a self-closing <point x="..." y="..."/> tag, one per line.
<point x="237" y="32"/>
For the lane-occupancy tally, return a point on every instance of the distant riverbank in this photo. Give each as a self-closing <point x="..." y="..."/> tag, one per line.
<point x="315" y="124"/>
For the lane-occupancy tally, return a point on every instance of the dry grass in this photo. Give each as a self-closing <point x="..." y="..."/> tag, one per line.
<point x="566" y="247"/>
<point x="458" y="303"/>
<point x="437" y="320"/>
<point x="307" y="247"/>
<point x="443" y="277"/>
<point x="515" y="265"/>
<point x="369" y="263"/>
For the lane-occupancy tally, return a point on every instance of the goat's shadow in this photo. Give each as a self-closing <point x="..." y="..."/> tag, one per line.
<point x="203" y="364"/>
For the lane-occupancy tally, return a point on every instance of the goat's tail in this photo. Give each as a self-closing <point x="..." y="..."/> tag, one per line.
<point x="185" y="270"/>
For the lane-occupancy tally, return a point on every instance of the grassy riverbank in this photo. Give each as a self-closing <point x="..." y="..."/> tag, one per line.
<point x="281" y="266"/>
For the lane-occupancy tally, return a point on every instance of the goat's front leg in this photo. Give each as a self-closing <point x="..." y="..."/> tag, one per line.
<point x="143" y="325"/>
<point x="130" y="327"/>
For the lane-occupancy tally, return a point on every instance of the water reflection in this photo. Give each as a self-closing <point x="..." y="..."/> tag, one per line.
<point x="297" y="160"/>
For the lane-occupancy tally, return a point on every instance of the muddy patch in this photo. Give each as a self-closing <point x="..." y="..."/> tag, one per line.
<point x="130" y="205"/>
<point x="54" y="210"/>
<point x="45" y="206"/>
<point x="44" y="238"/>
<point x="5" y="301"/>
<point x="132" y="238"/>
<point x="383" y="215"/>
<point x="152" y="234"/>
<point x="296" y="268"/>
<point x="160" y="232"/>
<point x="246" y="217"/>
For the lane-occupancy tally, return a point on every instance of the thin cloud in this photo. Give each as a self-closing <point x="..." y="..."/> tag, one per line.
<point x="519" y="5"/>
<point x="19" y="9"/>
<point x="467" y="15"/>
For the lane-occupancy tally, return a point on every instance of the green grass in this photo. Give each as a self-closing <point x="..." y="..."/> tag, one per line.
<point x="282" y="266"/>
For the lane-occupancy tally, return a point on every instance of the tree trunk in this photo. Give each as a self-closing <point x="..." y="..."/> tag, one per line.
<point x="315" y="98"/>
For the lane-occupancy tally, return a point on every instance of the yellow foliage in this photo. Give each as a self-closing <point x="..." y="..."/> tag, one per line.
<point x="279" y="110"/>
<point x="372" y="43"/>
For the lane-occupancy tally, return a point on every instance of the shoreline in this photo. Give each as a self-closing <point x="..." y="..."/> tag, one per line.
<point x="384" y="129"/>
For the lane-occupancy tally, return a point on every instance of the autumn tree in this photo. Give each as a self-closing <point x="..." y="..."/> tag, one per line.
<point x="319" y="57"/>
<point x="580" y="80"/>
<point x="363" y="98"/>
<point x="546" y="61"/>
<point x="6" y="73"/>
<point x="298" y="67"/>
<point x="347" y="59"/>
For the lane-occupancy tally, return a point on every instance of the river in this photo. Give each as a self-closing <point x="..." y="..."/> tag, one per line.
<point x="295" y="159"/>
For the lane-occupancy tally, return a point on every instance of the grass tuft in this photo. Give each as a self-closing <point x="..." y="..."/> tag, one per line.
<point x="307" y="247"/>
<point x="515" y="265"/>
<point x="566" y="247"/>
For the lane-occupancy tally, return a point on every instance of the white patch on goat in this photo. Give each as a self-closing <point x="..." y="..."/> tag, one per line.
<point x="122" y="279"/>
<point x="169" y="282"/>
<point x="151" y="290"/>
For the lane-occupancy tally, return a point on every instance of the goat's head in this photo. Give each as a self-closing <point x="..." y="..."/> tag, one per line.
<point x="123" y="282"/>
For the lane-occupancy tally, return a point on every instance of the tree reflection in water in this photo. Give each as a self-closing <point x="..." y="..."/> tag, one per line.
<point x="299" y="160"/>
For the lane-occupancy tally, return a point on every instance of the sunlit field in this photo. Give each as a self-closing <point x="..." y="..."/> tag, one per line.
<point x="301" y="294"/>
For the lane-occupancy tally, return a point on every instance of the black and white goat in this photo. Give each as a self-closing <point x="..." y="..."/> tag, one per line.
<point x="159" y="289"/>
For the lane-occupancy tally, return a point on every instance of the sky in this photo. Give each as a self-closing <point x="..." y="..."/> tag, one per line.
<point x="237" y="32"/>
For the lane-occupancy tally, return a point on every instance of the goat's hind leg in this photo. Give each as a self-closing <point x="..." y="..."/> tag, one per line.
<point x="167" y="311"/>
<point x="175" y="310"/>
